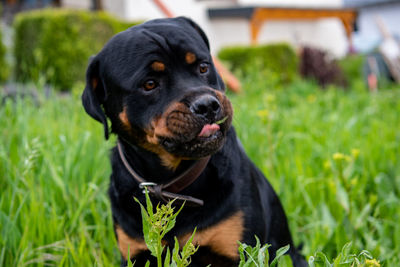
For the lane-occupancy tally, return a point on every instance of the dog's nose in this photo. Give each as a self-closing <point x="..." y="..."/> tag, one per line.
<point x="206" y="106"/>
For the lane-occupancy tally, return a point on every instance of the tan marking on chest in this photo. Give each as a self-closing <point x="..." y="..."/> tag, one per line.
<point x="221" y="238"/>
<point x="190" y="58"/>
<point x="125" y="242"/>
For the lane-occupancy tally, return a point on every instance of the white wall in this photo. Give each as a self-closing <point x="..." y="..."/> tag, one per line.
<point x="228" y="32"/>
<point x="78" y="4"/>
<point x="115" y="7"/>
<point x="327" y="34"/>
<point x="369" y="35"/>
<point x="141" y="10"/>
<point x="294" y="3"/>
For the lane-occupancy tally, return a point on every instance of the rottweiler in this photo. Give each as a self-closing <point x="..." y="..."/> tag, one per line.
<point x="157" y="85"/>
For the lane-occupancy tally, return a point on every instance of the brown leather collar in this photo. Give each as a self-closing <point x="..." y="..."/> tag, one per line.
<point x="168" y="191"/>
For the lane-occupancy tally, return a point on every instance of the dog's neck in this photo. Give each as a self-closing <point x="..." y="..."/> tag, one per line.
<point x="149" y="165"/>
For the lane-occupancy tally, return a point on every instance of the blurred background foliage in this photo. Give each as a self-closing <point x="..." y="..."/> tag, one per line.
<point x="4" y="66"/>
<point x="55" y="44"/>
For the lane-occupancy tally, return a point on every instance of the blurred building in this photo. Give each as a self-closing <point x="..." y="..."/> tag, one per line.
<point x="368" y="34"/>
<point x="317" y="23"/>
<point x="227" y="22"/>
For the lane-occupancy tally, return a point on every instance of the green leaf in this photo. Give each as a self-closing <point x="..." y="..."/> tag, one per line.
<point x="311" y="261"/>
<point x="343" y="257"/>
<point x="172" y="219"/>
<point x="188" y="249"/>
<point x="343" y="197"/>
<point x="319" y="257"/>
<point x="149" y="205"/>
<point x="241" y="249"/>
<point x="175" y="252"/>
<point x="130" y="264"/>
<point x="167" y="258"/>
<point x="190" y="240"/>
<point x="151" y="242"/>
<point x="221" y="121"/>
<point x="279" y="253"/>
<point x="285" y="261"/>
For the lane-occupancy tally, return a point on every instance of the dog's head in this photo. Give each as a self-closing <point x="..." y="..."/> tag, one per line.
<point x="157" y="84"/>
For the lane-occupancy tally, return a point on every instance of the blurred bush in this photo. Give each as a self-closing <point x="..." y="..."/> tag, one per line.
<point x="316" y="64"/>
<point x="4" y="67"/>
<point x="352" y="66"/>
<point x="53" y="46"/>
<point x="278" y="59"/>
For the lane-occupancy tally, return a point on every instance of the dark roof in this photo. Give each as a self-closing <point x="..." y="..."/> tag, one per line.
<point x="235" y="12"/>
<point x="247" y="12"/>
<point x="366" y="3"/>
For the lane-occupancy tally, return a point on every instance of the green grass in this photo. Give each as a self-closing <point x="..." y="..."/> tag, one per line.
<point x="332" y="156"/>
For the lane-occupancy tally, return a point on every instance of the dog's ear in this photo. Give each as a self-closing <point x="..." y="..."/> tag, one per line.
<point x="94" y="95"/>
<point x="198" y="29"/>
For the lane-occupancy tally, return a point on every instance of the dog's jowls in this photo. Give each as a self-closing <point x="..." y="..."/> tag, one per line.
<point x="158" y="87"/>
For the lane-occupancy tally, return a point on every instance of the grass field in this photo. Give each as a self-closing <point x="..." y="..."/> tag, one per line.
<point x="332" y="156"/>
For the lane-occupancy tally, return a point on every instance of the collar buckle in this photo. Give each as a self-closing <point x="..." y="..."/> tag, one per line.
<point x="142" y="185"/>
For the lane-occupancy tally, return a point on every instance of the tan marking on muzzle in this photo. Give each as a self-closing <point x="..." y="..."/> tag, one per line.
<point x="221" y="238"/>
<point x="158" y="128"/>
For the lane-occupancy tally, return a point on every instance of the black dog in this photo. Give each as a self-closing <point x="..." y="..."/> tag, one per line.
<point x="157" y="84"/>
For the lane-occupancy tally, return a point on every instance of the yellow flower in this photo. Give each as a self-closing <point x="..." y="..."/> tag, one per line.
<point x="338" y="156"/>
<point x="372" y="263"/>
<point x="355" y="152"/>
<point x="327" y="164"/>
<point x="311" y="98"/>
<point x="373" y="199"/>
<point x="270" y="98"/>
<point x="332" y="186"/>
<point x="263" y="113"/>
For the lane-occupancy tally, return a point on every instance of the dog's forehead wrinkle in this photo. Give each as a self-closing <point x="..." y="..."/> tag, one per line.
<point x="159" y="40"/>
<point x="183" y="37"/>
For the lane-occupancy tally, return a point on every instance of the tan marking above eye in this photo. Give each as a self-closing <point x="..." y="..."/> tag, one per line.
<point x="158" y="66"/>
<point x="190" y="58"/>
<point x="221" y="238"/>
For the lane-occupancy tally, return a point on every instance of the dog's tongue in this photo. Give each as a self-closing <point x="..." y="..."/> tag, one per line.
<point x="209" y="129"/>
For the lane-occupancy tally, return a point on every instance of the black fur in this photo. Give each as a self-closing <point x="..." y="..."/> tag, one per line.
<point x="229" y="184"/>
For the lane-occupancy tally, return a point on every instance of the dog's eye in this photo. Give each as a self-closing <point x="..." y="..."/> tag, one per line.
<point x="149" y="85"/>
<point x="203" y="68"/>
